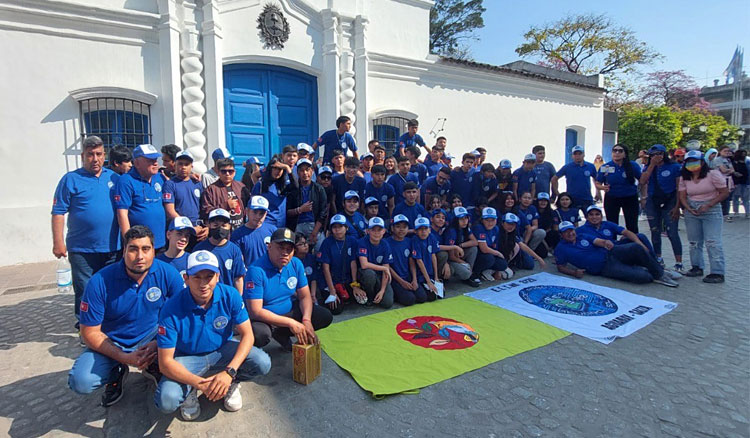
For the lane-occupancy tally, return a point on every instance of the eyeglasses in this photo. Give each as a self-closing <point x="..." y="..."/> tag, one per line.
<point x="324" y="177"/>
<point x="226" y="171"/>
<point x="301" y="244"/>
<point x="618" y="150"/>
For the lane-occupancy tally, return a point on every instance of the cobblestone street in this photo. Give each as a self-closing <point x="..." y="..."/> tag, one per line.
<point x="687" y="374"/>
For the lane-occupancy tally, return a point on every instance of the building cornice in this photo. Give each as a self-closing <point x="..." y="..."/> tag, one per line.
<point x="110" y="92"/>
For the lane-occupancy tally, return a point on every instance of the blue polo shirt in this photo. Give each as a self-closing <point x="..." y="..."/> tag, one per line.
<point x="185" y="195"/>
<point x="143" y="201"/>
<point x="583" y="255"/>
<point x="231" y="264"/>
<point x="332" y="140"/>
<point x="578" y="179"/>
<point x="382" y="194"/>
<point x="338" y="255"/>
<point x="607" y="230"/>
<point x="406" y="140"/>
<point x="310" y="263"/>
<point x="341" y="186"/>
<point x="432" y="167"/>
<point x="423" y="250"/>
<point x="617" y="179"/>
<point x="400" y="250"/>
<point x="544" y="173"/>
<point x="398" y="182"/>
<point x="92" y="224"/>
<point x="276" y="204"/>
<point x="529" y="214"/>
<point x="179" y="263"/>
<point x="356" y="224"/>
<point x="191" y="330"/>
<point x="485" y="186"/>
<point x="412" y="212"/>
<point x="666" y="177"/>
<point x="572" y="215"/>
<point x="461" y="185"/>
<point x="421" y="171"/>
<point x="275" y="287"/>
<point x="128" y="312"/>
<point x="524" y="179"/>
<point x="379" y="254"/>
<point x="490" y="237"/>
<point x="430" y="187"/>
<point x="252" y="242"/>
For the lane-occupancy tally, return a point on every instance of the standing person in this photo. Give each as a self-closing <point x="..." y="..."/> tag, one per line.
<point x="325" y="177"/>
<point x="307" y="206"/>
<point x="659" y="189"/>
<point x="374" y="256"/>
<point x="275" y="185"/>
<point x="252" y="237"/>
<point x="168" y="156"/>
<point x="410" y="138"/>
<point x="232" y="268"/>
<point x="438" y="185"/>
<point x="504" y="175"/>
<point x="486" y="183"/>
<point x="365" y="166"/>
<point x="642" y="156"/>
<point x="701" y="191"/>
<point x="347" y="182"/>
<point x="723" y="163"/>
<point x="406" y="290"/>
<point x="544" y="171"/>
<point x="119" y="316"/>
<point x="382" y="191"/>
<point x="378" y="153"/>
<point x="120" y="159"/>
<point x="524" y="178"/>
<point x="336" y="139"/>
<point x="409" y="206"/>
<point x="92" y="240"/>
<point x="741" y="180"/>
<point x="138" y="196"/>
<point x="181" y="195"/>
<point x="225" y="193"/>
<point x="337" y="162"/>
<point x="413" y="153"/>
<point x="400" y="179"/>
<point x="212" y="175"/>
<point x="598" y="161"/>
<point x="617" y="179"/>
<point x="578" y="175"/>
<point x="461" y="181"/>
<point x="391" y="166"/>
<point x="434" y="160"/>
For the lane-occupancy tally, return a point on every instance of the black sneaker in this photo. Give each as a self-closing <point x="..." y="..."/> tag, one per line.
<point x="113" y="391"/>
<point x="473" y="282"/>
<point x="284" y="340"/>
<point x="152" y="372"/>
<point x="694" y="272"/>
<point x="713" y="278"/>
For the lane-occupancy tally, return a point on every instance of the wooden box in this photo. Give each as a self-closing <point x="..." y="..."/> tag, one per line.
<point x="306" y="366"/>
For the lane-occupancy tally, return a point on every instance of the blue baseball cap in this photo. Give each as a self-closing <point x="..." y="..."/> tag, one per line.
<point x="376" y="222"/>
<point x="489" y="213"/>
<point x="325" y="169"/>
<point x="438" y="211"/>
<point x="219" y="212"/>
<point x="476" y="153"/>
<point x="186" y="155"/>
<point x="371" y="200"/>
<point x="339" y="219"/>
<point x="351" y="194"/>
<point x="253" y="160"/>
<point x="506" y="164"/>
<point x="693" y="155"/>
<point x="400" y="218"/>
<point x="657" y="148"/>
<point x="181" y="223"/>
<point x="220" y="153"/>
<point x="421" y="222"/>
<point x="366" y="155"/>
<point x="593" y="207"/>
<point x="542" y="195"/>
<point x="577" y="148"/>
<point x="258" y="202"/>
<point x="566" y="225"/>
<point x="460" y="212"/>
<point x="511" y="218"/>
<point x="200" y="261"/>
<point x="146" y="151"/>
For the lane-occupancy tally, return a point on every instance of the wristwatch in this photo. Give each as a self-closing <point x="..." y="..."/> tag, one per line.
<point x="231" y="371"/>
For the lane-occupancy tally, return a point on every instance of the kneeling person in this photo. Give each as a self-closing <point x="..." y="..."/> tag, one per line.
<point x="196" y="349"/>
<point x="374" y="256"/>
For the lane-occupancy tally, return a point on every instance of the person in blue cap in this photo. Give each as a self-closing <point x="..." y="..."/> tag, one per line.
<point x="409" y="206"/>
<point x="252" y="238"/>
<point x="406" y="289"/>
<point x="253" y="169"/>
<point x="511" y="245"/>
<point x="591" y="255"/>
<point x="307" y="205"/>
<point x="372" y="207"/>
<point x="181" y="195"/>
<point x="382" y="191"/>
<point x="138" y="195"/>
<point x="278" y="298"/>
<point x="524" y="178"/>
<point x="356" y="222"/>
<point x="338" y="266"/>
<point x="93" y="239"/>
<point x="119" y="315"/>
<point x="504" y="175"/>
<point x="490" y="263"/>
<point x="374" y="258"/>
<point x="424" y="247"/>
<point x="439" y="185"/>
<point x="617" y="179"/>
<point x="178" y="235"/>
<point x="578" y="176"/>
<point x="212" y="175"/>
<point x="196" y="345"/>
<point x="232" y="268"/>
<point x="336" y="139"/>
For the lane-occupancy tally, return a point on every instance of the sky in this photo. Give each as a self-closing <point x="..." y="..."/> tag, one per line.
<point x="696" y="36"/>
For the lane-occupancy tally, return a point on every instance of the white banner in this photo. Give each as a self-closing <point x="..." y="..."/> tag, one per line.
<point x="596" y="312"/>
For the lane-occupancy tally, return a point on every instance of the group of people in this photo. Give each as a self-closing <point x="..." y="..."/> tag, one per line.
<point x="188" y="276"/>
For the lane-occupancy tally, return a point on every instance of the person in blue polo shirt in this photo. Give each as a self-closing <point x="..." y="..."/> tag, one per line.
<point x="356" y="223"/>
<point x="544" y="171"/>
<point x="336" y="139"/>
<point x="138" y="197"/>
<point x="181" y="195"/>
<point x="119" y="315"/>
<point x="347" y="182"/>
<point x="271" y="284"/>
<point x="406" y="288"/>
<point x="400" y="178"/>
<point x="232" y="268"/>
<point x="424" y="249"/>
<point x="461" y="181"/>
<point x="524" y="178"/>
<point x="617" y="179"/>
<point x="578" y="175"/>
<point x="374" y="256"/>
<point x="338" y="265"/>
<point x="195" y="342"/>
<point x="253" y="237"/>
<point x="409" y="207"/>
<point x="93" y="239"/>
<point x="592" y="255"/>
<point x="410" y="138"/>
<point x="382" y="191"/>
<point x="178" y="236"/>
<point x="439" y="185"/>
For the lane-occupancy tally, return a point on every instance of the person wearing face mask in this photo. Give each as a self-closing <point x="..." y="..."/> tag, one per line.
<point x="232" y="268"/>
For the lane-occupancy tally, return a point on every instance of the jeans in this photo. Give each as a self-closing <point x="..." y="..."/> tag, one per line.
<point x="462" y="271"/>
<point x="537" y="236"/>
<point x="741" y="191"/>
<point x="522" y="261"/>
<point x="370" y="281"/>
<point x="321" y="317"/>
<point x="629" y="206"/>
<point x="92" y="370"/>
<point x="409" y="297"/>
<point x="626" y="262"/>
<point x="170" y="394"/>
<point x="725" y="203"/>
<point x="705" y="228"/>
<point x="82" y="266"/>
<point x="488" y="261"/>
<point x="658" y="213"/>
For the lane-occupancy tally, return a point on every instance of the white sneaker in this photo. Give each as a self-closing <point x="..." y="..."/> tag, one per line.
<point x="507" y="274"/>
<point x="666" y="281"/>
<point x="190" y="409"/>
<point x="674" y="275"/>
<point x="487" y="275"/>
<point x="233" y="399"/>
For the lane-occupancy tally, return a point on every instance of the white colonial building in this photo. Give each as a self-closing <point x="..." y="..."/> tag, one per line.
<point x="219" y="73"/>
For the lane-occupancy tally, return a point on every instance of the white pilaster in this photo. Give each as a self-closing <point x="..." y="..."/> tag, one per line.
<point x="361" y="70"/>
<point x="192" y="91"/>
<point x="169" y="55"/>
<point x="211" y="32"/>
<point x="329" y="82"/>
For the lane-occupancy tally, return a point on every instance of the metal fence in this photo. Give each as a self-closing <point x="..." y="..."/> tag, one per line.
<point x="116" y="121"/>
<point x="387" y="130"/>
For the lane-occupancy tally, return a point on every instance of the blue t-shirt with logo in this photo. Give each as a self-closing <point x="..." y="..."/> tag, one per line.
<point x="528" y="214"/>
<point x="578" y="179"/>
<point x="583" y="254"/>
<point x="356" y="224"/>
<point x="421" y="171"/>
<point x="192" y="330"/>
<point x="461" y="185"/>
<point x="252" y="242"/>
<point x="572" y="215"/>
<point x="338" y="254"/>
<point x="485" y="186"/>
<point x="341" y="186"/>
<point x="406" y="140"/>
<point x="92" y="224"/>
<point x="128" y="312"/>
<point x="332" y="141"/>
<point x="185" y="195"/>
<point x="666" y="177"/>
<point x="412" y="212"/>
<point x="432" y="167"/>
<point x="423" y="250"/>
<point x="607" y="230"/>
<point x="276" y="203"/>
<point x="179" y="263"/>
<point x="430" y="187"/>
<point x="616" y="177"/>
<point x="143" y="200"/>
<point x="382" y="194"/>
<point x="379" y="254"/>
<point x="400" y="250"/>
<point x="490" y="237"/>
<point x="524" y="179"/>
<point x="276" y="288"/>
<point x="231" y="264"/>
<point x="305" y="195"/>
<point x="544" y="173"/>
<point x="398" y="182"/>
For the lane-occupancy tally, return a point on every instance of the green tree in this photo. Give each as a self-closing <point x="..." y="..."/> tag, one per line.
<point x="641" y="127"/>
<point x="715" y="127"/>
<point x="452" y="25"/>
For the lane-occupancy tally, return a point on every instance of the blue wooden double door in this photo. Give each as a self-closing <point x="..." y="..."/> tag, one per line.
<point x="266" y="108"/>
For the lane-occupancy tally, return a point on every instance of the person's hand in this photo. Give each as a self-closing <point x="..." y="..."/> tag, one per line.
<point x="312" y="240"/>
<point x="608" y="244"/>
<point x="413" y="285"/>
<point x="656" y="159"/>
<point x="216" y="386"/>
<point x="446" y="271"/>
<point x="195" y="177"/>
<point x="605" y="187"/>
<point x="675" y="213"/>
<point x="598" y="197"/>
<point x="333" y="304"/>
<point x="542" y="263"/>
<point x="320" y="161"/>
<point x="359" y="293"/>
<point x="459" y="252"/>
<point x="378" y="297"/>
<point x="431" y="285"/>
<point x="299" y="331"/>
<point x="306" y="207"/>
<point x="310" y="331"/>
<point x="703" y="208"/>
<point x="579" y="273"/>
<point x="201" y="232"/>
<point x="142" y="357"/>
<point x="59" y="249"/>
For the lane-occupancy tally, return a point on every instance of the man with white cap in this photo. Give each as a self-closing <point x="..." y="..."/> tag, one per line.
<point x="196" y="346"/>
<point x="212" y="175"/>
<point x="524" y="178"/>
<point x="578" y="176"/>
<point x="232" y="268"/>
<point x="365" y="166"/>
<point x="138" y="195"/>
<point x="307" y="205"/>
<point x="253" y="237"/>
<point x="181" y="194"/>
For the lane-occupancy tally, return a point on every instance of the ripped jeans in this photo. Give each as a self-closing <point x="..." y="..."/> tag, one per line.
<point x="705" y="229"/>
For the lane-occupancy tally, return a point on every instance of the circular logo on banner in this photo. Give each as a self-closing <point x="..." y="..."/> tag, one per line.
<point x="291" y="282"/>
<point x="197" y="193"/>
<point x="157" y="187"/>
<point x="437" y="333"/>
<point x="308" y="270"/>
<point x="220" y="322"/>
<point x="153" y="294"/>
<point x="568" y="300"/>
<point x="228" y="264"/>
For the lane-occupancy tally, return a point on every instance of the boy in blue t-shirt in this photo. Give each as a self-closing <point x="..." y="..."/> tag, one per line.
<point x="337" y="266"/>
<point x="381" y="190"/>
<point x="181" y="195"/>
<point x="232" y="268"/>
<point x="309" y="262"/>
<point x="374" y="257"/>
<point x="178" y="235"/>
<point x="487" y="185"/>
<point x="524" y="178"/>
<point x="372" y="206"/>
<point x="399" y="179"/>
<point x="409" y="206"/>
<point x="406" y="289"/>
<point x="410" y="138"/>
<point x="412" y="153"/>
<point x="490" y="263"/>
<point x="424" y="246"/>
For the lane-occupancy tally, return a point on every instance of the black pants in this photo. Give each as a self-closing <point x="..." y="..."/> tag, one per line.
<point x="321" y="318"/>
<point x="552" y="238"/>
<point x="629" y="206"/>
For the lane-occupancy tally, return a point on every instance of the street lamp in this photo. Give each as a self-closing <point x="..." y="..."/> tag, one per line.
<point x="685" y="129"/>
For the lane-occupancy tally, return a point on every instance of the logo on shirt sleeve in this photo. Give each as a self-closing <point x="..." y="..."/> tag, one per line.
<point x="482" y="236"/>
<point x="363" y="251"/>
<point x="220" y="322"/>
<point x="167" y="196"/>
<point x="250" y="285"/>
<point x="84" y="306"/>
<point x="117" y="198"/>
<point x="162" y="331"/>
<point x="414" y="253"/>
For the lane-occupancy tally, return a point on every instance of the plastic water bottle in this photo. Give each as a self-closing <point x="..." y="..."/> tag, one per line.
<point x="64" y="276"/>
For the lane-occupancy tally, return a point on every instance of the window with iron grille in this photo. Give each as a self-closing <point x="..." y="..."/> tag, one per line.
<point x="117" y="121"/>
<point x="387" y="130"/>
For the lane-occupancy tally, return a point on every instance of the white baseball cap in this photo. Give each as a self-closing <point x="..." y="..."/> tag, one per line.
<point x="202" y="260"/>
